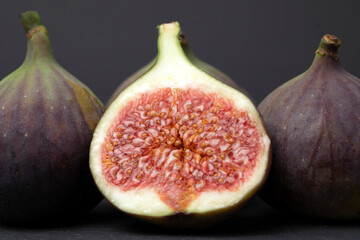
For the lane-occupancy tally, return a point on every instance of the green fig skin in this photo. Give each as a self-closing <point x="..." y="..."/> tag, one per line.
<point x="207" y="68"/>
<point x="47" y="121"/>
<point x="313" y="122"/>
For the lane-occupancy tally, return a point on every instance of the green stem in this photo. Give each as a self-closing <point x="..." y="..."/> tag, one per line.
<point x="328" y="46"/>
<point x="39" y="48"/>
<point x="30" y="19"/>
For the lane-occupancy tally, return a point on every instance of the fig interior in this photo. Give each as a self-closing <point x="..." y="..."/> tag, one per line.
<point x="180" y="143"/>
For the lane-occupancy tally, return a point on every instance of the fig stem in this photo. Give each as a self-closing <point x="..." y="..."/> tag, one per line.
<point x="39" y="48"/>
<point x="329" y="45"/>
<point x="30" y="19"/>
<point x="169" y="47"/>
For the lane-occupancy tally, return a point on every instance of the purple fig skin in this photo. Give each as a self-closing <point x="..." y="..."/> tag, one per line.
<point x="314" y="126"/>
<point x="47" y="121"/>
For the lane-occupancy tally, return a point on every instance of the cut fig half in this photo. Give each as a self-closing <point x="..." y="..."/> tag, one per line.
<point x="179" y="142"/>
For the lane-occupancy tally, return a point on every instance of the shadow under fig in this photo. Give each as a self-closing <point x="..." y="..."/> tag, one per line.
<point x="255" y="219"/>
<point x="102" y="213"/>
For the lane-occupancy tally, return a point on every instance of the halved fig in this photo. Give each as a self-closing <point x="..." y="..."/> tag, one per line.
<point x="177" y="142"/>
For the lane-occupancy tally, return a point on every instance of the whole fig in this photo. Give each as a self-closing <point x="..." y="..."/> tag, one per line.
<point x="313" y="122"/>
<point x="47" y="119"/>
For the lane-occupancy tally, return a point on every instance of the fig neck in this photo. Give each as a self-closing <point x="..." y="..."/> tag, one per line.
<point x="325" y="62"/>
<point x="38" y="43"/>
<point x="169" y="47"/>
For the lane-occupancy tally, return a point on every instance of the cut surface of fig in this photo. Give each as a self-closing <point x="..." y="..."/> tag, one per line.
<point x="179" y="141"/>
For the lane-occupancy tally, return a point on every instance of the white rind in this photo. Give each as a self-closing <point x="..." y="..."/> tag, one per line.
<point x="176" y="72"/>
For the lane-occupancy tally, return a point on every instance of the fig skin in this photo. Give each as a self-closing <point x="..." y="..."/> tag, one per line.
<point x="313" y="122"/>
<point x="47" y="121"/>
<point x="154" y="76"/>
<point x="207" y="68"/>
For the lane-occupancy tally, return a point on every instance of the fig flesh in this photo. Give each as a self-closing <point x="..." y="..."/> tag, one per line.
<point x="177" y="143"/>
<point x="47" y="120"/>
<point x="313" y="122"/>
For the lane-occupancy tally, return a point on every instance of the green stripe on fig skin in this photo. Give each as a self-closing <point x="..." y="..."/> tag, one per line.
<point x="9" y="101"/>
<point x="40" y="54"/>
<point x="90" y="114"/>
<point x="42" y="122"/>
<point x="9" y="83"/>
<point x="72" y="78"/>
<point x="87" y="109"/>
<point x="67" y="115"/>
<point x="37" y="80"/>
<point x="91" y="107"/>
<point x="57" y="97"/>
<point x="15" y="105"/>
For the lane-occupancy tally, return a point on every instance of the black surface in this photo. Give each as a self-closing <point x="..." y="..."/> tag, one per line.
<point x="256" y="221"/>
<point x="260" y="44"/>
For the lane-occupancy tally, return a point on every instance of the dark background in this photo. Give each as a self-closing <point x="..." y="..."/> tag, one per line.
<point x="260" y="44"/>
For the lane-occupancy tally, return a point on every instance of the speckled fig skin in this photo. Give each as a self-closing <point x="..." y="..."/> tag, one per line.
<point x="47" y="120"/>
<point x="212" y="71"/>
<point x="314" y="125"/>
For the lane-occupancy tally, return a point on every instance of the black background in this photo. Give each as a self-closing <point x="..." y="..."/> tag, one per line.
<point x="260" y="44"/>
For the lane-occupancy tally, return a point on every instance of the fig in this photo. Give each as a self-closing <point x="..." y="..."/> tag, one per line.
<point x="313" y="122"/>
<point x="47" y="121"/>
<point x="207" y="68"/>
<point x="178" y="147"/>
